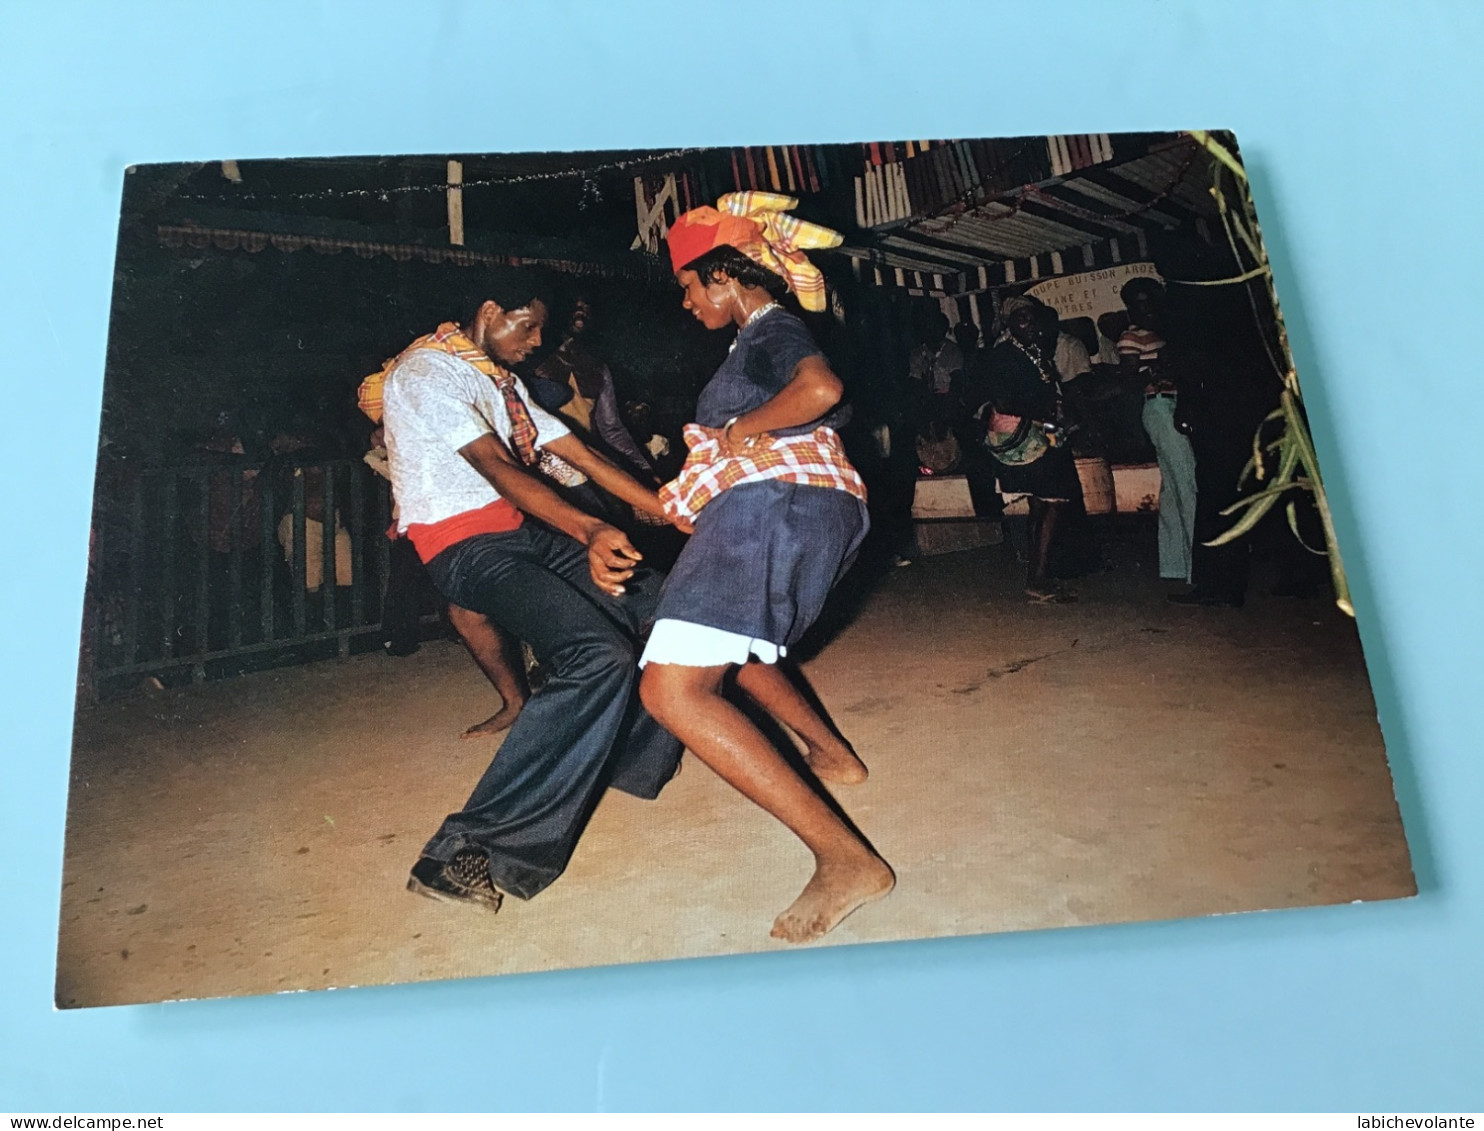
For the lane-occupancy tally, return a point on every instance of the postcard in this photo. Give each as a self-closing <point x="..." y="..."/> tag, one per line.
<point x="507" y="563"/>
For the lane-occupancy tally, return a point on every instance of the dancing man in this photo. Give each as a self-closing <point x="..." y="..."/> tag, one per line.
<point x="465" y="443"/>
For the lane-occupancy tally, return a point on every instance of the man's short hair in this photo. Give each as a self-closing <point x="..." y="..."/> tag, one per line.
<point x="511" y="290"/>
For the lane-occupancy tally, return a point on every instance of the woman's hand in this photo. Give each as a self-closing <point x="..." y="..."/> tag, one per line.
<point x="734" y="442"/>
<point x="611" y="558"/>
<point x="812" y="390"/>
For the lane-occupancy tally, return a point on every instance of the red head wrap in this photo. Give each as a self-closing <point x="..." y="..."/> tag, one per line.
<point x="701" y="229"/>
<point x="756" y="224"/>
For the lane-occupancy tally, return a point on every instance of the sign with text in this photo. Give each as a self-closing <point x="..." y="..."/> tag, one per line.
<point x="1092" y="293"/>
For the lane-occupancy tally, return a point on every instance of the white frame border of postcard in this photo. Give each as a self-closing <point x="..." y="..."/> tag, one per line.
<point x="532" y="561"/>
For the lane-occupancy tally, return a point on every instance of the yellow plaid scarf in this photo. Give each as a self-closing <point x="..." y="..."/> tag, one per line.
<point x="450" y="339"/>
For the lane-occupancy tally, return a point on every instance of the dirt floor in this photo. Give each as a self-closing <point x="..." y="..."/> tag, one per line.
<point x="1118" y="759"/>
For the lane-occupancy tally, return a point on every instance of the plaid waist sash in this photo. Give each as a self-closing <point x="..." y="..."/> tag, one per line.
<point x="816" y="459"/>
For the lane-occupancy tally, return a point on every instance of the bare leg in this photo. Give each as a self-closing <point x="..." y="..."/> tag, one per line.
<point x="1042" y="527"/>
<point x="847" y="875"/>
<point x="492" y="652"/>
<point x="1043" y="518"/>
<point x="828" y="755"/>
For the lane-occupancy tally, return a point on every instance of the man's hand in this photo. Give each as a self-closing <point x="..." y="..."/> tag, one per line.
<point x="611" y="559"/>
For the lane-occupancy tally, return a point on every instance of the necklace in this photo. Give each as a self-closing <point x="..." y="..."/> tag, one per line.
<point x="1038" y="359"/>
<point x="1046" y="372"/>
<point x="766" y="308"/>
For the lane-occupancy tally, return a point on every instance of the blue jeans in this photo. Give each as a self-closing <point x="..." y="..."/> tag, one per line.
<point x="583" y="731"/>
<point x="1177" y="492"/>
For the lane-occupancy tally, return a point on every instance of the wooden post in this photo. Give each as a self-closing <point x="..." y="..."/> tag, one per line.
<point x="456" y="203"/>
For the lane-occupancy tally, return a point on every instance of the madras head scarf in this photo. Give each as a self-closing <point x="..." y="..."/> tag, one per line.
<point x="758" y="225"/>
<point x="1011" y="306"/>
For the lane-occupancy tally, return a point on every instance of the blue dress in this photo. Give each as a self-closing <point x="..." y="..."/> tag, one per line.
<point x="764" y="556"/>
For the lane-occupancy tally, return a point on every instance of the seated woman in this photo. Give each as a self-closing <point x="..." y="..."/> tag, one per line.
<point x="778" y="515"/>
<point x="1017" y="391"/>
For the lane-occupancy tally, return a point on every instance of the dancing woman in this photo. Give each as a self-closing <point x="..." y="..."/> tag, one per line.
<point x="778" y="515"/>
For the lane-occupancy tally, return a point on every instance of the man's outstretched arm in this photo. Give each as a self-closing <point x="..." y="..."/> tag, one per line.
<point x="607" y="474"/>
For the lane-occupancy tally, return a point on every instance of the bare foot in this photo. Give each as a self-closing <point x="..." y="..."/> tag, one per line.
<point x="497" y="722"/>
<point x="837" y="888"/>
<point x="835" y="763"/>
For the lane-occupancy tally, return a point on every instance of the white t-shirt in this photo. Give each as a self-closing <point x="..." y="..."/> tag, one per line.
<point x="433" y="404"/>
<point x="1071" y="358"/>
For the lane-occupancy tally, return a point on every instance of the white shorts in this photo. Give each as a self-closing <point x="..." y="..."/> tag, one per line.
<point x="701" y="646"/>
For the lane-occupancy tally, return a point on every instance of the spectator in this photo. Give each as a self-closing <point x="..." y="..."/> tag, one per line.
<point x="1018" y="396"/>
<point x="1143" y="354"/>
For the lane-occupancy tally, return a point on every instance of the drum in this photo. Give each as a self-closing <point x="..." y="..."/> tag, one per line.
<point x="1096" y="475"/>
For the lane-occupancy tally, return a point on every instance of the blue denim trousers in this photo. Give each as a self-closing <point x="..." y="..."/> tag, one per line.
<point x="1177" y="491"/>
<point x="583" y="731"/>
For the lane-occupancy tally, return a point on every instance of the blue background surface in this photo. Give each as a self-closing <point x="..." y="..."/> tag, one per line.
<point x="1361" y="125"/>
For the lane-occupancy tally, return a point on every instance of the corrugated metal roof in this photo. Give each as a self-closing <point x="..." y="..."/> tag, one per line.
<point x="1160" y="190"/>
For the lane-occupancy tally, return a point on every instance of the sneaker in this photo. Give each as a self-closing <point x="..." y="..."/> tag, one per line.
<point x="464" y="879"/>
